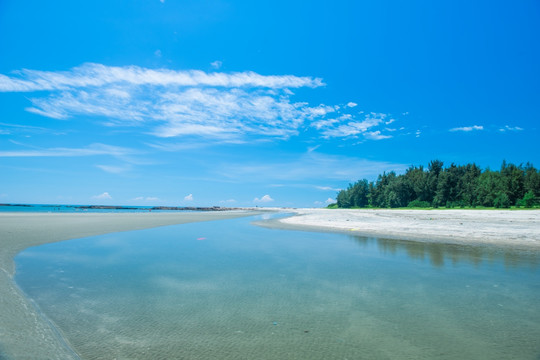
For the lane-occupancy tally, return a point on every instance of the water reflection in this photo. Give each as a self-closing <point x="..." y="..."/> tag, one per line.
<point x="440" y="254"/>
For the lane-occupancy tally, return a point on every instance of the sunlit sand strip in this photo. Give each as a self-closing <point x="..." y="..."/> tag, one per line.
<point x="24" y="333"/>
<point x="519" y="228"/>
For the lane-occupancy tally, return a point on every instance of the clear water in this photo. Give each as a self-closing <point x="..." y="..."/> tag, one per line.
<point x="231" y="290"/>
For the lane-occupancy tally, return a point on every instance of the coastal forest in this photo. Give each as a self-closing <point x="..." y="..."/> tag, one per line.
<point x="464" y="186"/>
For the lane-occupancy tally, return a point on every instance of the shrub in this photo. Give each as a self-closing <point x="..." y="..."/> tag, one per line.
<point x="501" y="200"/>
<point x="418" y="204"/>
<point x="528" y="201"/>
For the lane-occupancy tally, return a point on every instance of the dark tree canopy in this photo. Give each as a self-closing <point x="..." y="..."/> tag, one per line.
<point x="453" y="186"/>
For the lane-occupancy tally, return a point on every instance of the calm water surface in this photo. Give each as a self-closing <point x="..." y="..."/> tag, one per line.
<point x="231" y="290"/>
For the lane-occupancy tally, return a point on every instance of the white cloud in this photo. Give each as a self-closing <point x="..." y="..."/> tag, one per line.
<point x="264" y="199"/>
<point x="313" y="148"/>
<point x="418" y="133"/>
<point x="147" y="198"/>
<point x="171" y="103"/>
<point x="104" y="196"/>
<point x="353" y="128"/>
<point x="188" y="197"/>
<point x="216" y="64"/>
<point x="320" y="110"/>
<point x="508" y="128"/>
<point x="97" y="75"/>
<point x="324" y="123"/>
<point x="468" y="128"/>
<point x="309" y="166"/>
<point x="376" y="135"/>
<point x="91" y="150"/>
<point x="114" y="169"/>
<point x="326" y="188"/>
<point x="330" y="201"/>
<point x="157" y="53"/>
<point x="228" y="201"/>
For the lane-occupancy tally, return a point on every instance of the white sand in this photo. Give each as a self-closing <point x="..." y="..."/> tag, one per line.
<point x="24" y="332"/>
<point x="519" y="228"/>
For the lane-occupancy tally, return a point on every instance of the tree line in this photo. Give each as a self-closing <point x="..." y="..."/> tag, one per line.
<point x="452" y="186"/>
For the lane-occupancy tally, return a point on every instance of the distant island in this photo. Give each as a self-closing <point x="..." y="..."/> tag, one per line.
<point x="140" y="208"/>
<point x="461" y="186"/>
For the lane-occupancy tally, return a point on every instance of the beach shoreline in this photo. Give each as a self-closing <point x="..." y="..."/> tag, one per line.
<point x="503" y="228"/>
<point x="24" y="332"/>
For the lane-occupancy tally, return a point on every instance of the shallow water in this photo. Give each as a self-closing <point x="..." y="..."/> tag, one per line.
<point x="231" y="290"/>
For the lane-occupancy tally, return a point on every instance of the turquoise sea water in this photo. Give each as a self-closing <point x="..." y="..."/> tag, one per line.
<point x="51" y="208"/>
<point x="231" y="290"/>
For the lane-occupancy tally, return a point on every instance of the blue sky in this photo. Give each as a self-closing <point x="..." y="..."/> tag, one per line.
<point x="266" y="103"/>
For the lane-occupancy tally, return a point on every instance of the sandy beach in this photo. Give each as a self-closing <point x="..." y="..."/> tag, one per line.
<point x="24" y="333"/>
<point x="517" y="229"/>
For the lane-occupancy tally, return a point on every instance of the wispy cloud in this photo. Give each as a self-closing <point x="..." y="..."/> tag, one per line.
<point x="216" y="64"/>
<point x="188" y="197"/>
<point x="169" y="103"/>
<point x="309" y="166"/>
<point x="510" y="128"/>
<point x="468" y="128"/>
<point x="98" y="75"/>
<point x="228" y="201"/>
<point x="8" y="128"/>
<point x="146" y="198"/>
<point x="348" y="126"/>
<point x="92" y="150"/>
<point x="115" y="169"/>
<point x="376" y="135"/>
<point x="326" y="188"/>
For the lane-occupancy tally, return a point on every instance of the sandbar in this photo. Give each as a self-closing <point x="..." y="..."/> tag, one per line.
<point x="24" y="332"/>
<point x="506" y="228"/>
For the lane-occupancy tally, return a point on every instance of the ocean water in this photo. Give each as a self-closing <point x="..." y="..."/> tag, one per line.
<point x="51" y="208"/>
<point x="231" y="290"/>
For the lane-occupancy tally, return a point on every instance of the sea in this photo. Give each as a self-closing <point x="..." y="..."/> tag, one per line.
<point x="51" y="208"/>
<point x="229" y="289"/>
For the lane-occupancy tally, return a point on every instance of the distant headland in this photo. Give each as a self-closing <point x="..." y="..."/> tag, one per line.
<point x="129" y="208"/>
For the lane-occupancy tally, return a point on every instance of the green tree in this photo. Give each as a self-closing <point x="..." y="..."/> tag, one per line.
<point x="447" y="186"/>
<point x="531" y="181"/>
<point x="513" y="179"/>
<point x="489" y="185"/>
<point x="529" y="200"/>
<point x="501" y="200"/>
<point x="434" y="169"/>
<point x="468" y="184"/>
<point x="343" y="199"/>
<point x="359" y="193"/>
<point x="418" y="181"/>
<point x="452" y="186"/>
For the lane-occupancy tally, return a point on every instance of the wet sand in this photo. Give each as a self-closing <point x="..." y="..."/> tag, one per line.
<point x="24" y="333"/>
<point x="508" y="228"/>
